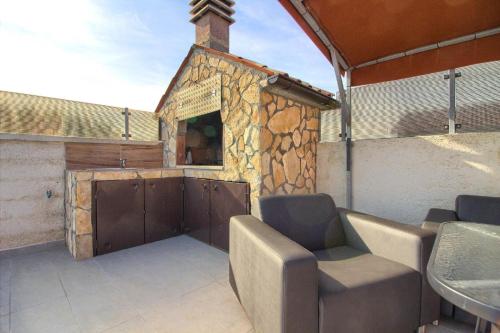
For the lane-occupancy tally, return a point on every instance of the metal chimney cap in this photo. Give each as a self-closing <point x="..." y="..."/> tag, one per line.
<point x="229" y="3"/>
<point x="221" y="8"/>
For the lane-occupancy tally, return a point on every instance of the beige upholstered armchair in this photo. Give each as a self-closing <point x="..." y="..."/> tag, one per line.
<point x="310" y="267"/>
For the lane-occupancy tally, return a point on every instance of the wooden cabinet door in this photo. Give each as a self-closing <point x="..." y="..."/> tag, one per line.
<point x="163" y="202"/>
<point x="119" y="213"/>
<point x="227" y="199"/>
<point x="196" y="208"/>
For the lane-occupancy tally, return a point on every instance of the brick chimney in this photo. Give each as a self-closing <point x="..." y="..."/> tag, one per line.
<point x="212" y="19"/>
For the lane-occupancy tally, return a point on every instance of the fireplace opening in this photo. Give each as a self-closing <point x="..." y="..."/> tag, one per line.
<point x="199" y="140"/>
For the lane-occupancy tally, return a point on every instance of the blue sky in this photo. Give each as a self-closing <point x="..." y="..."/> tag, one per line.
<point x="124" y="52"/>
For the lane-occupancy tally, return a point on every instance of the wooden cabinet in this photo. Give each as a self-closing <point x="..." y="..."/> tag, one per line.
<point x="163" y="202"/>
<point x="197" y="208"/>
<point x="119" y="211"/>
<point x="227" y="199"/>
<point x="208" y="206"/>
<point x="128" y="213"/>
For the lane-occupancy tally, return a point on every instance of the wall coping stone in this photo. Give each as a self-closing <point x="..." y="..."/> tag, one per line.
<point x="200" y="167"/>
<point x="50" y="138"/>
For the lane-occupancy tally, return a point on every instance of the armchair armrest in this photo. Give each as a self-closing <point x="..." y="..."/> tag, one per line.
<point x="403" y="243"/>
<point x="274" y="278"/>
<point x="436" y="216"/>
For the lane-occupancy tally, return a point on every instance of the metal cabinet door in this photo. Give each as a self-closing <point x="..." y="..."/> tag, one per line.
<point x="163" y="202"/>
<point x="119" y="214"/>
<point x="196" y="208"/>
<point x="227" y="199"/>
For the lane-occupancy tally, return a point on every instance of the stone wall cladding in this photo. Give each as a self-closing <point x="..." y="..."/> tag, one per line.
<point x="78" y="221"/>
<point x="288" y="141"/>
<point x="240" y="116"/>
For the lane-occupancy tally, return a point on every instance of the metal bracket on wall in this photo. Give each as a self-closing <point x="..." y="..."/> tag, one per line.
<point x="457" y="74"/>
<point x="457" y="126"/>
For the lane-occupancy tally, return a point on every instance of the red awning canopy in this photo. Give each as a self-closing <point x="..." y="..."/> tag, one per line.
<point x="382" y="40"/>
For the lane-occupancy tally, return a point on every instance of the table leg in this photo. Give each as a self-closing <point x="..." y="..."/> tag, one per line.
<point x="478" y="325"/>
<point x="483" y="326"/>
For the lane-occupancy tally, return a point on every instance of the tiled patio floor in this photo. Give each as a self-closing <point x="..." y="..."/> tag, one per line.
<point x="176" y="285"/>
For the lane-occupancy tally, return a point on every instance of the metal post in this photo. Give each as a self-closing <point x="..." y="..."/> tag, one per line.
<point x="348" y="104"/>
<point x="477" y="328"/>
<point x="452" y="114"/>
<point x="126" y="135"/>
<point x="160" y="129"/>
<point x="345" y="126"/>
<point x="348" y="143"/>
<point x="343" y="104"/>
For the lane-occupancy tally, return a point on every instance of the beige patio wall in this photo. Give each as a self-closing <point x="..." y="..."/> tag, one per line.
<point x="402" y="178"/>
<point x="30" y="165"/>
<point x="27" y="171"/>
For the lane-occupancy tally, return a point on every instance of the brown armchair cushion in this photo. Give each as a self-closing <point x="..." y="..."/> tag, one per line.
<point x="441" y="215"/>
<point x="436" y="216"/>
<point x="310" y="220"/>
<point x="474" y="208"/>
<point x="402" y="243"/>
<point x="361" y="292"/>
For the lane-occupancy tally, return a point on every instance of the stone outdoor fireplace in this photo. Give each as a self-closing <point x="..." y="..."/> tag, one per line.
<point x="223" y="118"/>
<point x="270" y="123"/>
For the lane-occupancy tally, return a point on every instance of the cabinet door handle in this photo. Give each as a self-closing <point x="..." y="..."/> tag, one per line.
<point x="205" y="187"/>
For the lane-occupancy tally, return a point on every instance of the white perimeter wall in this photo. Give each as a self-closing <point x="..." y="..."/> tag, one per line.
<point x="401" y="178"/>
<point x="27" y="171"/>
<point x="30" y="165"/>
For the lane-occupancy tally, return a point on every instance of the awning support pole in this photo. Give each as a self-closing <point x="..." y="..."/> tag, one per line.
<point x="348" y="104"/>
<point x="348" y="143"/>
<point x="343" y="102"/>
<point x="346" y="123"/>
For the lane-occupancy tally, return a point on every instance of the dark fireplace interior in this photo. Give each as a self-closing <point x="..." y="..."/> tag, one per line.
<point x="199" y="140"/>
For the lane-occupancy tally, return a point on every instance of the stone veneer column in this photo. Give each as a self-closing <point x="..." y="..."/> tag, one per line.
<point x="288" y="141"/>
